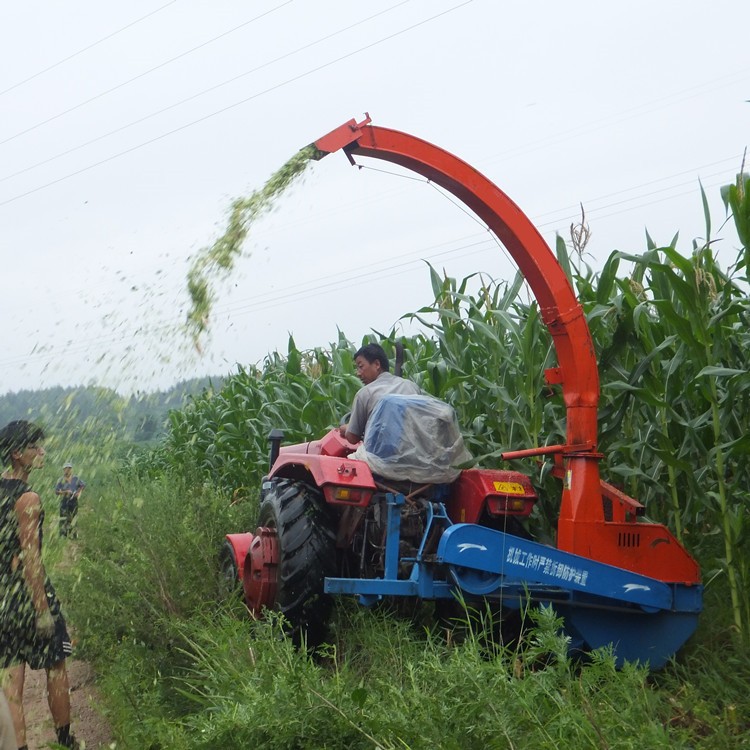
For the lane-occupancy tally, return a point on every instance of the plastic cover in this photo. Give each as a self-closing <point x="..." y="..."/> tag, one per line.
<point x="413" y="438"/>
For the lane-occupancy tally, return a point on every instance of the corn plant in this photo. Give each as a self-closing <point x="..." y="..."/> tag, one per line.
<point x="222" y="436"/>
<point x="675" y="415"/>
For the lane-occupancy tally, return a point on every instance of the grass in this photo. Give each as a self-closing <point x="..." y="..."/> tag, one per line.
<point x="183" y="670"/>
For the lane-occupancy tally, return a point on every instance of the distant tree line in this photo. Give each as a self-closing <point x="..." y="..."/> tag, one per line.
<point x="84" y="412"/>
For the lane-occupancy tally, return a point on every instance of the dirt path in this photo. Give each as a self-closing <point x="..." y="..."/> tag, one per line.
<point x="89" y="724"/>
<point x="86" y="706"/>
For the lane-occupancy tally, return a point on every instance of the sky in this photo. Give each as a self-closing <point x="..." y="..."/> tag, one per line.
<point x="129" y="128"/>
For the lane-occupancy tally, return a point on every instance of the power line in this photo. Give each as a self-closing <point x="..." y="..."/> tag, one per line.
<point x="693" y="171"/>
<point x="201" y="93"/>
<point x="377" y="270"/>
<point x="542" y="141"/>
<point x="627" y="114"/>
<point x="644" y="205"/>
<point x="87" y="48"/>
<point x="590" y="203"/>
<point x="229" y="107"/>
<point x="145" y="73"/>
<point x="559" y="223"/>
<point x="308" y="289"/>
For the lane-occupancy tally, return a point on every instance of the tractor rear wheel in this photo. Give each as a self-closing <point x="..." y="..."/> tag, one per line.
<point x="306" y="555"/>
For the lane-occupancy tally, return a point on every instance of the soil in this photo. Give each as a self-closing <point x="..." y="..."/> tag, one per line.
<point x="88" y="722"/>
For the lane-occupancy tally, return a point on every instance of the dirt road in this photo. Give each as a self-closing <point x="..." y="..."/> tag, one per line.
<point x="89" y="723"/>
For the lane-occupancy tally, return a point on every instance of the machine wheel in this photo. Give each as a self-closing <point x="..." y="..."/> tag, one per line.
<point x="229" y="575"/>
<point x="306" y="555"/>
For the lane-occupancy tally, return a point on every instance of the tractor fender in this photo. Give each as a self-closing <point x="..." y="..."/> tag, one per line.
<point x="320" y="471"/>
<point x="240" y="544"/>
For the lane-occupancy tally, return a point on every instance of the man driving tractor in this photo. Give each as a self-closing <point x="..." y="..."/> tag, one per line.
<point x="373" y="369"/>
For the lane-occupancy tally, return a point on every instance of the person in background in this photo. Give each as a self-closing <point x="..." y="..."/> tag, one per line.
<point x="69" y="488"/>
<point x="373" y="370"/>
<point x="32" y="626"/>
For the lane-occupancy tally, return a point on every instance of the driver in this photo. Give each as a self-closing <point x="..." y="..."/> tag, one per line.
<point x="373" y="370"/>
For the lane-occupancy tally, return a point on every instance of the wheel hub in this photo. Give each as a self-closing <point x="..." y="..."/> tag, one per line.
<point x="260" y="572"/>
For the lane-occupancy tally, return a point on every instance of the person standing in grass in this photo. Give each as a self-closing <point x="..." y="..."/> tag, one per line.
<point x="32" y="627"/>
<point x="68" y="488"/>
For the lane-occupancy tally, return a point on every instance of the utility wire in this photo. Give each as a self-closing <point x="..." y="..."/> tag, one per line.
<point x="693" y="171"/>
<point x="310" y="288"/>
<point x="87" y="48"/>
<point x="543" y="142"/>
<point x="375" y="270"/>
<point x="143" y="74"/>
<point x="201" y="93"/>
<point x="639" y="110"/>
<point x="560" y="223"/>
<point x="229" y="107"/>
<point x="631" y="208"/>
<point x="593" y="209"/>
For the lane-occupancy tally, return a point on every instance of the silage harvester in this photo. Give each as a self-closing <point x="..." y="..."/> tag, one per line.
<point x="329" y="525"/>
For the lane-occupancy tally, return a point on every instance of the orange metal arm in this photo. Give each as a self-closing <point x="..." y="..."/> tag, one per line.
<point x="561" y="312"/>
<point x="582" y="527"/>
<point x="560" y="309"/>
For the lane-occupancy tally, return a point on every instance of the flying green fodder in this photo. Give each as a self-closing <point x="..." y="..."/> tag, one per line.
<point x="218" y="260"/>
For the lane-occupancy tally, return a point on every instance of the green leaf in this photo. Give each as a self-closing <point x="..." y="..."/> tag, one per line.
<point x="359" y="696"/>
<point x="706" y="212"/>
<point x="607" y="278"/>
<point x="563" y="258"/>
<point x="719" y="371"/>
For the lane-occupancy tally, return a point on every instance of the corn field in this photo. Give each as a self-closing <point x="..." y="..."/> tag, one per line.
<point x="672" y="333"/>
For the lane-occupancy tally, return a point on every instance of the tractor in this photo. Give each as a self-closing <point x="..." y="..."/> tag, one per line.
<point x="331" y="524"/>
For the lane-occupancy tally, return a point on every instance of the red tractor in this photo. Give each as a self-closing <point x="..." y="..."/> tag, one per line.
<point x="329" y="525"/>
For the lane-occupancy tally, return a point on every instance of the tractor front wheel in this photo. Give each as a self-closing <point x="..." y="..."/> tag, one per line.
<point x="298" y="553"/>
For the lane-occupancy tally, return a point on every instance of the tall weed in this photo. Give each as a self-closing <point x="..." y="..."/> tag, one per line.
<point x="183" y="671"/>
<point x="147" y="557"/>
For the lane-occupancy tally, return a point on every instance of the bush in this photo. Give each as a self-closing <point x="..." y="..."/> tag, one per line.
<point x="147" y="559"/>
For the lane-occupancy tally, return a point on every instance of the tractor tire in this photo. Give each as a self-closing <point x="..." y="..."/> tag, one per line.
<point x="307" y="554"/>
<point x="230" y="584"/>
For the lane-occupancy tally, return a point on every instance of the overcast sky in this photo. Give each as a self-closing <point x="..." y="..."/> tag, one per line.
<point x="128" y="128"/>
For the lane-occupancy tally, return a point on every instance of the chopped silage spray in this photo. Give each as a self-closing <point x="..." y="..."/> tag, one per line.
<point x="217" y="261"/>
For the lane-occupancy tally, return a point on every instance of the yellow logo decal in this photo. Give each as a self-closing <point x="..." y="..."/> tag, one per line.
<point x="509" y="488"/>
